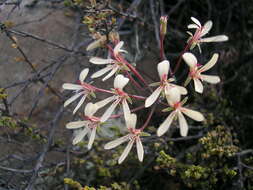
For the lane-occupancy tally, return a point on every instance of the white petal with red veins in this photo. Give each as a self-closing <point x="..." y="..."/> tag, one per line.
<point x="192" y="26"/>
<point x="70" y="86"/>
<point x="126" y="109"/>
<point x="210" y="79"/>
<point x="206" y="28"/>
<point x="76" y="124"/>
<point x="118" y="47"/>
<point x="102" y="71"/>
<point x="71" y="99"/>
<point x="92" y="138"/>
<point x="166" y="124"/>
<point x="126" y="152"/>
<point x="83" y="75"/>
<point x="195" y="115"/>
<point x="210" y="63"/>
<point x="110" y="74"/>
<point x="198" y="85"/>
<point x="220" y="38"/>
<point x="120" y="81"/>
<point x="100" y="61"/>
<point x="196" y="21"/>
<point x="116" y="142"/>
<point x="80" y="135"/>
<point x="173" y="96"/>
<point x="109" y="111"/>
<point x="106" y="101"/>
<point x="153" y="97"/>
<point x="182" y="124"/>
<point x="163" y="68"/>
<point x="131" y="121"/>
<point x="190" y="59"/>
<point x="90" y="109"/>
<point x="140" y="150"/>
<point x="80" y="103"/>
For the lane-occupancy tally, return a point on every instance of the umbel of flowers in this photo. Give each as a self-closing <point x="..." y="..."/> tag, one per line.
<point x="166" y="92"/>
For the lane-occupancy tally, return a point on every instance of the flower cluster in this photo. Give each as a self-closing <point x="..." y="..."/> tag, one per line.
<point x="167" y="92"/>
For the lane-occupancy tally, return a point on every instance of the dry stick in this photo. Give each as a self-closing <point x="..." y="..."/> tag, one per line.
<point x="15" y="170"/>
<point x="45" y="85"/>
<point x="30" y="64"/>
<point x="45" y="149"/>
<point x="25" y="34"/>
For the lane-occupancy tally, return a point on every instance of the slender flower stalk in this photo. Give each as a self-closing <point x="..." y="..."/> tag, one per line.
<point x="178" y="110"/>
<point x="132" y="137"/>
<point x="196" y="38"/>
<point x="89" y="125"/>
<point x="119" y="97"/>
<point x="165" y="84"/>
<point x="82" y="90"/>
<point x="197" y="69"/>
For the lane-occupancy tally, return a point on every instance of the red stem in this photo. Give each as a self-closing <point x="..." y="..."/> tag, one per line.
<point x="180" y="57"/>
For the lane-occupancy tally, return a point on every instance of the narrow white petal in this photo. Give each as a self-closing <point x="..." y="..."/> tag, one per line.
<point x="109" y="75"/>
<point x="100" y="61"/>
<point x="96" y="43"/>
<point x="131" y="121"/>
<point x="182" y="124"/>
<point x="126" y="109"/>
<point x="125" y="152"/>
<point x="198" y="85"/>
<point x="79" y="103"/>
<point x="166" y="124"/>
<point x="210" y="63"/>
<point x="163" y="68"/>
<point x="206" y="28"/>
<point x="80" y="136"/>
<point x="211" y="79"/>
<point x="196" y="21"/>
<point x="90" y="109"/>
<point x="219" y="38"/>
<point x="153" y="97"/>
<point x="173" y="96"/>
<point x="70" y="86"/>
<point x="195" y="115"/>
<point x="140" y="150"/>
<point x="118" y="47"/>
<point x="101" y="72"/>
<point x="120" y="81"/>
<point x="71" y="99"/>
<point x="192" y="26"/>
<point x="190" y="59"/>
<point x="76" y="124"/>
<point x="83" y="75"/>
<point x="109" y="111"/>
<point x="116" y="142"/>
<point x="104" y="102"/>
<point x="92" y="138"/>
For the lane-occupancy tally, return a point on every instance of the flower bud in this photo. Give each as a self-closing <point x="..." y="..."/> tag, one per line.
<point x="163" y="25"/>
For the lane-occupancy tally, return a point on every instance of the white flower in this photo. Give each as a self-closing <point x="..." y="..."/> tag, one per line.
<point x="90" y="125"/>
<point x="196" y="71"/>
<point x="132" y="137"/>
<point x="201" y="31"/>
<point x="164" y="85"/>
<point x="178" y="111"/>
<point x="81" y="90"/>
<point x="113" y="65"/>
<point x="119" y="97"/>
